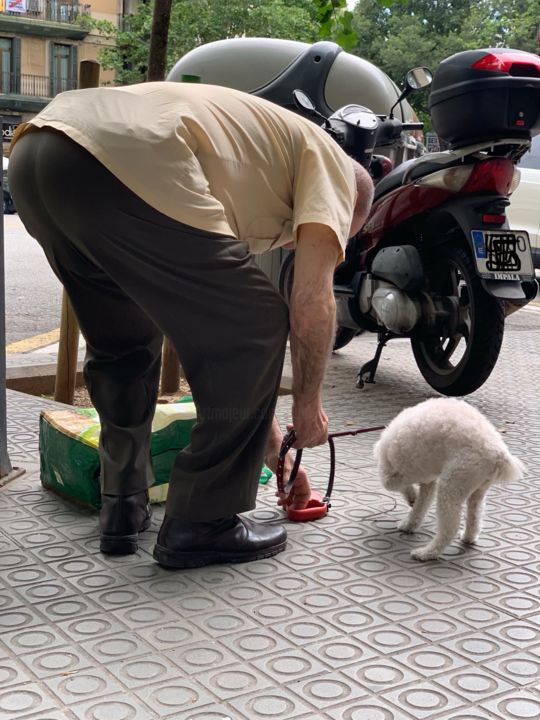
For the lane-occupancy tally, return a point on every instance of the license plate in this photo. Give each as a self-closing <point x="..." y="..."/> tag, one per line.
<point x="503" y="254"/>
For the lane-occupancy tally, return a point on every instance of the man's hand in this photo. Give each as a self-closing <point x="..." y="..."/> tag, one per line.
<point x="300" y="494"/>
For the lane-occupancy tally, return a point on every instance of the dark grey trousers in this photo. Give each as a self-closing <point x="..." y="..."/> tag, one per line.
<point x="134" y="274"/>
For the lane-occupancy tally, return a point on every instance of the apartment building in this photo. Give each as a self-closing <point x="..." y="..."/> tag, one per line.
<point x="41" y="46"/>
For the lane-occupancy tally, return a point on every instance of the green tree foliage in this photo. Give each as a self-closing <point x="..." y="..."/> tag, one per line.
<point x="335" y="23"/>
<point x="195" y="22"/>
<point x="397" y="35"/>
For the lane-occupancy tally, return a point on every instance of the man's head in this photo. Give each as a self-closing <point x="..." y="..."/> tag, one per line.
<point x="364" y="197"/>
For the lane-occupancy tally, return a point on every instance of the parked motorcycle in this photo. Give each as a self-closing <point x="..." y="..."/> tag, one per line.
<point x="436" y="261"/>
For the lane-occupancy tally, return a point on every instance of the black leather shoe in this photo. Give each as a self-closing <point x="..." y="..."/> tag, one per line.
<point x="121" y="519"/>
<point x="183" y="544"/>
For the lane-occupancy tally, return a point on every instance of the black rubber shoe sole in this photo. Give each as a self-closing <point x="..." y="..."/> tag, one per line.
<point x="122" y="544"/>
<point x="174" y="559"/>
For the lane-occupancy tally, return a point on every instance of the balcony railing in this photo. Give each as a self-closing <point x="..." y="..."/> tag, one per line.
<point x="52" y="10"/>
<point x="34" y="85"/>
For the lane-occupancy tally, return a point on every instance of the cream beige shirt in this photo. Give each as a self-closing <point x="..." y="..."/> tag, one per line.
<point x="214" y="158"/>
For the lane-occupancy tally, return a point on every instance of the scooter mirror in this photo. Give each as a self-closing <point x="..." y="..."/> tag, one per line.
<point x="303" y="101"/>
<point x="419" y="77"/>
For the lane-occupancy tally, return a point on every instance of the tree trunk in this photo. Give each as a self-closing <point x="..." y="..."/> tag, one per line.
<point x="157" y="59"/>
<point x="157" y="64"/>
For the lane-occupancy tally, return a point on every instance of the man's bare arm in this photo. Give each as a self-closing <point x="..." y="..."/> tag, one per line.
<point x="312" y="321"/>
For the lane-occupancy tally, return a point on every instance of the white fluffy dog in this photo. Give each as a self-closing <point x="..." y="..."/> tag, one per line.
<point x="446" y="444"/>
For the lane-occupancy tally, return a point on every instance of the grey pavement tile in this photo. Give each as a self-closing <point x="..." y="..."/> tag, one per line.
<point x="289" y="666"/>
<point x="377" y="675"/>
<point x="521" y="669"/>
<point x="205" y="654"/>
<point x="60" y="550"/>
<point x="33" y="639"/>
<point x="472" y="683"/>
<point x="54" y="661"/>
<point x="224" y="622"/>
<point x="436" y="627"/>
<point x="90" y="626"/>
<point x="97" y="582"/>
<point x="174" y="634"/>
<point x="113" y="707"/>
<point x="215" y="711"/>
<point x="117" y="597"/>
<point x="122" y="646"/>
<point x="46" y="591"/>
<point x="257" y="643"/>
<point x="519" y="633"/>
<point x="514" y="705"/>
<point x="173" y="696"/>
<point x="20" y="618"/>
<point x="8" y="599"/>
<point x="515" y="604"/>
<point x="75" y="567"/>
<point x="64" y="608"/>
<point x="197" y="602"/>
<point x="12" y="673"/>
<point x="340" y="652"/>
<point x="328" y="689"/>
<point x="277" y="703"/>
<point x="230" y="682"/>
<point x="430" y="661"/>
<point x="83" y="685"/>
<point x="6" y="544"/>
<point x="424" y="700"/>
<point x="477" y="647"/>
<point x="145" y="670"/>
<point x="369" y="708"/>
<point x="145" y="615"/>
<point x="390" y="638"/>
<point x="478" y="615"/>
<point x="24" y="700"/>
<point x="271" y="610"/>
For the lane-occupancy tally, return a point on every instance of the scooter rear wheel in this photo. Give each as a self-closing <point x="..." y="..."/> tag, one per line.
<point x="457" y="359"/>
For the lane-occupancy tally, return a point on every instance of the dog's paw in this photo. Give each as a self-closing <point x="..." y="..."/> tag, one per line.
<point x="469" y="539"/>
<point x="424" y="553"/>
<point x="406" y="527"/>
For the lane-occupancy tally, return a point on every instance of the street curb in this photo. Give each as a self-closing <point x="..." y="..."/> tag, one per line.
<point x="40" y="379"/>
<point x="37" y="379"/>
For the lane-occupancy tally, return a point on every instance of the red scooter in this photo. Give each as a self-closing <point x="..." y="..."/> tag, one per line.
<point x="436" y="261"/>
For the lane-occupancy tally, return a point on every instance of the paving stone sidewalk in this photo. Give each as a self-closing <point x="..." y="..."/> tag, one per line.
<point x="341" y="626"/>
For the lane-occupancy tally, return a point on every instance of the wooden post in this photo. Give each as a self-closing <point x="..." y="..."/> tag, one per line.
<point x="157" y="61"/>
<point x="68" y="350"/>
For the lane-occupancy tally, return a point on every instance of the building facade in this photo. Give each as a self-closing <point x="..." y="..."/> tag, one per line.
<point x="41" y="46"/>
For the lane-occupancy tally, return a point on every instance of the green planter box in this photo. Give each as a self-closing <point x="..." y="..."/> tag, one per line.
<point x="69" y="458"/>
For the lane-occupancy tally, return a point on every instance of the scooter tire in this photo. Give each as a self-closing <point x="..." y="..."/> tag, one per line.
<point x="482" y="330"/>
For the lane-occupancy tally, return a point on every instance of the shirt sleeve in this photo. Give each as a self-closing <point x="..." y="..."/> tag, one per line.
<point x="324" y="188"/>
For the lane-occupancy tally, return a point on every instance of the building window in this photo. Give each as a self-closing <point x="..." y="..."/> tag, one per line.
<point x="63" y="68"/>
<point x="5" y="64"/>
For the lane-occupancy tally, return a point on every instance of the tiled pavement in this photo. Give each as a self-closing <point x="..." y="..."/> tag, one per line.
<point x="341" y="626"/>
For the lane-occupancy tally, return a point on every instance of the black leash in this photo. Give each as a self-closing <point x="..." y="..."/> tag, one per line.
<point x="317" y="506"/>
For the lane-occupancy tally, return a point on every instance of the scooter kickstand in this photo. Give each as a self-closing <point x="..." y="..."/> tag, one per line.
<point x="366" y="374"/>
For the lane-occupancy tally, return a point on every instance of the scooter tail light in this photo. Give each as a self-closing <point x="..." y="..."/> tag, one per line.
<point x="451" y="179"/>
<point x="508" y="62"/>
<point x="493" y="175"/>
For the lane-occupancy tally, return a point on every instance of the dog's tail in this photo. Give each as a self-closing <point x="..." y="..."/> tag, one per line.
<point x="510" y="468"/>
